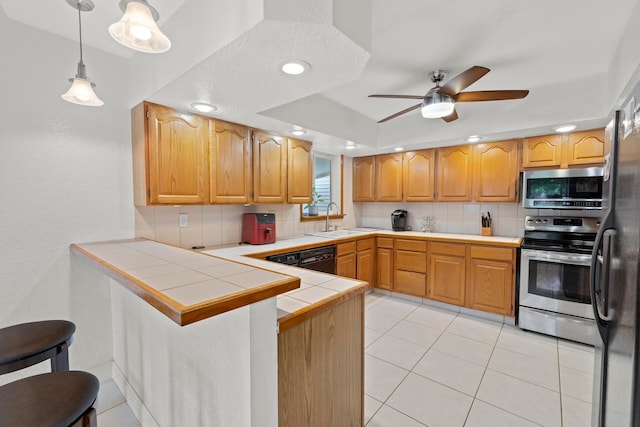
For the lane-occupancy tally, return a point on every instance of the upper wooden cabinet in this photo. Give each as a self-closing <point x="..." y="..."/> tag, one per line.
<point x="269" y="168"/>
<point x="495" y="171"/>
<point x="454" y="173"/>
<point x="299" y="171"/>
<point x="542" y="151"/>
<point x="230" y="163"/>
<point x="586" y="147"/>
<point x="418" y="182"/>
<point x="170" y="156"/>
<point x="564" y="150"/>
<point x="363" y="179"/>
<point x="388" y="172"/>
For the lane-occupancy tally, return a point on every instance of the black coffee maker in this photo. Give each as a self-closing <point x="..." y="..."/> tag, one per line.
<point x="399" y="220"/>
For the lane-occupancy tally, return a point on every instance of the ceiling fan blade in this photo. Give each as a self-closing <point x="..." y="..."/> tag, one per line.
<point x="451" y="117"/>
<point x="398" y="96"/>
<point x="393" y="116"/>
<point x="463" y="80"/>
<point x="490" y="95"/>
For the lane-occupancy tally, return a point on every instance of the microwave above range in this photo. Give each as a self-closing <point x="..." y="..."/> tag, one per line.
<point x="563" y="189"/>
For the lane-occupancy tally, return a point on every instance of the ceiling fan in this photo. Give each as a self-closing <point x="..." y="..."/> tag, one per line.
<point x="440" y="101"/>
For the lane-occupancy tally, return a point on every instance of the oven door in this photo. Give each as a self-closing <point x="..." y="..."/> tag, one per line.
<point x="556" y="281"/>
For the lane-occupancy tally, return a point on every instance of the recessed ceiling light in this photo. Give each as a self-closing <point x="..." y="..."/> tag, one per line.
<point x="564" y="128"/>
<point x="350" y="145"/>
<point x="298" y="131"/>
<point x="474" y="138"/>
<point x="203" y="107"/>
<point x="294" y="67"/>
<point x="398" y="149"/>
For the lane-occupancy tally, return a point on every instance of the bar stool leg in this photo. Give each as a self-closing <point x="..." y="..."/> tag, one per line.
<point x="88" y="419"/>
<point x="60" y="361"/>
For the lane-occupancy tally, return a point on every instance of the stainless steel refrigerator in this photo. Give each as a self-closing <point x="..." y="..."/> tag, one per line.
<point x="615" y="278"/>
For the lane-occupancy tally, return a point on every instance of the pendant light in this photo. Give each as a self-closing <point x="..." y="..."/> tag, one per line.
<point x="137" y="28"/>
<point x="81" y="90"/>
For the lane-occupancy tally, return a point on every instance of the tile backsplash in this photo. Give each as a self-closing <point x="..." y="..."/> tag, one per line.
<point x="217" y="225"/>
<point x="508" y="218"/>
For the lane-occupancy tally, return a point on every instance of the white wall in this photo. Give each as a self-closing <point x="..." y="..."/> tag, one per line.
<point x="65" y="176"/>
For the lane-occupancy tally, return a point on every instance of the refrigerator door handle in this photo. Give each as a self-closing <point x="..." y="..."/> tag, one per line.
<point x="599" y="273"/>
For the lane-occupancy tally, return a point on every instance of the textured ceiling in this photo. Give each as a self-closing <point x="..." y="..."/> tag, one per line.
<point x="561" y="51"/>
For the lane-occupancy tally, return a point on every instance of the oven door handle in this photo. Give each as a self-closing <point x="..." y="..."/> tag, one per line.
<point x="578" y="259"/>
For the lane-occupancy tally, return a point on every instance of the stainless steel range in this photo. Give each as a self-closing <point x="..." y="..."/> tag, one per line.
<point x="554" y="277"/>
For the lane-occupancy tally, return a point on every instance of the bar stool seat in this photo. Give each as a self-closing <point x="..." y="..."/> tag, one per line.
<point x="56" y="399"/>
<point x="26" y="344"/>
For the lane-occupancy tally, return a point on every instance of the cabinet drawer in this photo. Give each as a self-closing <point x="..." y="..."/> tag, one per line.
<point x="492" y="253"/>
<point x="410" y="283"/>
<point x="345" y="248"/>
<point x="411" y="261"/>
<point x="457" y="249"/>
<point x="411" y="245"/>
<point x="364" y="244"/>
<point x="385" y="242"/>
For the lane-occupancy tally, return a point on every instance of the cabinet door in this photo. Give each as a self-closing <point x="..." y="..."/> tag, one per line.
<point x="495" y="172"/>
<point x="384" y="267"/>
<point x="490" y="286"/>
<point x="365" y="267"/>
<point x="299" y="172"/>
<point x="230" y="162"/>
<point x="446" y="279"/>
<point x="542" y="151"/>
<point x="363" y="179"/>
<point x="389" y="177"/>
<point x="178" y="160"/>
<point x="585" y="147"/>
<point x="410" y="282"/>
<point x="269" y="168"/>
<point x="454" y="173"/>
<point x="418" y="181"/>
<point x="346" y="266"/>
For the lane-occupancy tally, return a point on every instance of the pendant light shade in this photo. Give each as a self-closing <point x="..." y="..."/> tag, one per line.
<point x="137" y="28"/>
<point x="81" y="90"/>
<point x="436" y="105"/>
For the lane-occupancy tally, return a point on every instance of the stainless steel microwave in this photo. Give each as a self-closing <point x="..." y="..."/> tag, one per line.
<point x="563" y="189"/>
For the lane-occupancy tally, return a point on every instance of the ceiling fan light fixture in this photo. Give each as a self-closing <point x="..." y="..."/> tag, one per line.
<point x="137" y="28"/>
<point x="436" y="105"/>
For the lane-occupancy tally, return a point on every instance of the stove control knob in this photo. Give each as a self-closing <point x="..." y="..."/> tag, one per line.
<point x="545" y="221"/>
<point x="537" y="221"/>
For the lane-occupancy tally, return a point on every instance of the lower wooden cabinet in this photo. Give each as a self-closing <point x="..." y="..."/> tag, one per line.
<point x="410" y="257"/>
<point x="447" y="273"/>
<point x="384" y="263"/>
<point x="365" y="265"/>
<point x="346" y="259"/>
<point x="490" y="279"/>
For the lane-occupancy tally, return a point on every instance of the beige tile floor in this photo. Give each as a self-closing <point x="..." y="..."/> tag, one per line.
<point x="425" y="366"/>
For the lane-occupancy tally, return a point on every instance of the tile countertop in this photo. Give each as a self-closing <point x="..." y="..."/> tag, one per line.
<point x="185" y="285"/>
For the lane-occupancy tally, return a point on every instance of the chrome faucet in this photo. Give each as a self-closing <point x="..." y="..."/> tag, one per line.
<point x="327" y="225"/>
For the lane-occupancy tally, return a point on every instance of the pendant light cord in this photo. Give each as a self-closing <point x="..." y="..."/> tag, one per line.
<point x="80" y="30"/>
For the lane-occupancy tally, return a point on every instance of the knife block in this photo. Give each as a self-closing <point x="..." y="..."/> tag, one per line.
<point x="487" y="231"/>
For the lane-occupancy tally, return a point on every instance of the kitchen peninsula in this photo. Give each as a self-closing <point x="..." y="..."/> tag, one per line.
<point x="219" y="361"/>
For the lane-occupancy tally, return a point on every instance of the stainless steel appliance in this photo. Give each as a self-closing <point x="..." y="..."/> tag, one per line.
<point x="563" y="189"/>
<point x="318" y="259"/>
<point x="555" y="263"/>
<point x="615" y="276"/>
<point x="399" y="220"/>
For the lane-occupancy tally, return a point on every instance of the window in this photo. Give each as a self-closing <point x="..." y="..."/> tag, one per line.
<point x="327" y="186"/>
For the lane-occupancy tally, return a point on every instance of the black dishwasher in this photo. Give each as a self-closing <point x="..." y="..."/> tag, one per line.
<point x="318" y="259"/>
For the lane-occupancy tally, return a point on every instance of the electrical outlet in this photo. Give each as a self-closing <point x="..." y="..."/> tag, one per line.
<point x="183" y="220"/>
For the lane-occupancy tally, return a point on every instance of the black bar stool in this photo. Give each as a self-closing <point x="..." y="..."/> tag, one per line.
<point x="56" y="399"/>
<point x="26" y="344"/>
